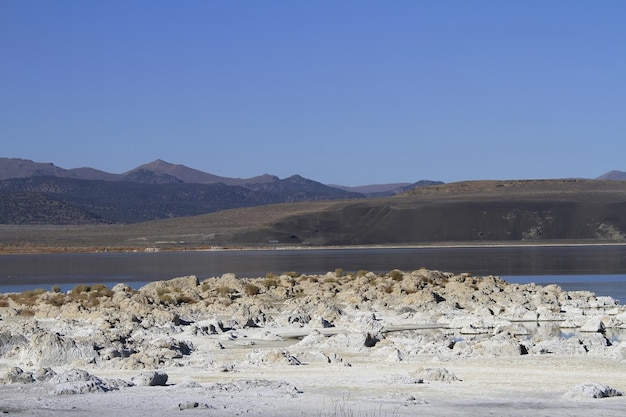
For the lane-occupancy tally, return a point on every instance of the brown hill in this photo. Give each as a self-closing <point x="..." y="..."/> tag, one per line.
<point x="472" y="212"/>
<point x="193" y="176"/>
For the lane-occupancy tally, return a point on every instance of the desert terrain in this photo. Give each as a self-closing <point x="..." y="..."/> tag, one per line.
<point x="401" y="343"/>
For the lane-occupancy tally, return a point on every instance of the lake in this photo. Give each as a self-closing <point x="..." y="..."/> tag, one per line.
<point x="598" y="268"/>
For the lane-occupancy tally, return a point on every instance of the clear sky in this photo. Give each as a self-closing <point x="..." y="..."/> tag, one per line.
<point x="342" y="92"/>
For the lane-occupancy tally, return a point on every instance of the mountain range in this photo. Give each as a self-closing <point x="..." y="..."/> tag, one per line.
<point x="42" y="193"/>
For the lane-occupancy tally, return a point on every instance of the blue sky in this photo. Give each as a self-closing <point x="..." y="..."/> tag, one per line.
<point x="343" y="92"/>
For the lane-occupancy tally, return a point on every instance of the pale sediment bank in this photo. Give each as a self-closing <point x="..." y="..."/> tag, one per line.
<point x="401" y="343"/>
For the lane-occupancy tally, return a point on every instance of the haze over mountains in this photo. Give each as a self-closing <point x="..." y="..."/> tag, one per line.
<point x="42" y="193"/>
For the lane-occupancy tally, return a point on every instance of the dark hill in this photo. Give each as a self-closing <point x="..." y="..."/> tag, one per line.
<point x="148" y="196"/>
<point x="462" y="212"/>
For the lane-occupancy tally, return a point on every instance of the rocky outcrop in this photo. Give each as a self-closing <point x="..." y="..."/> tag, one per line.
<point x="397" y="316"/>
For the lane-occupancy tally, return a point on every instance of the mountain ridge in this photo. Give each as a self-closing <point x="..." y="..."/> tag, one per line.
<point x="44" y="194"/>
<point x="194" y="176"/>
<point x="21" y="168"/>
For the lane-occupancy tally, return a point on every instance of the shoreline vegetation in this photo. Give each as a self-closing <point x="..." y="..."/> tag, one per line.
<point x="341" y="343"/>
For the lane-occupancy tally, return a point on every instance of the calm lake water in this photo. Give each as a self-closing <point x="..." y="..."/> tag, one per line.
<point x="601" y="269"/>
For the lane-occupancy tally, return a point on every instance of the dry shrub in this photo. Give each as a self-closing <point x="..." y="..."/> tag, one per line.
<point x="101" y="290"/>
<point x="162" y="291"/>
<point x="205" y="286"/>
<point x="362" y="273"/>
<point x="80" y="288"/>
<point x="165" y="299"/>
<point x="291" y="274"/>
<point x="28" y="297"/>
<point x="26" y="312"/>
<point x="56" y="300"/>
<point x="185" y="299"/>
<point x="427" y="280"/>
<point x="251" y="289"/>
<point x="396" y="275"/>
<point x="4" y="303"/>
<point x="93" y="302"/>
<point x="33" y="293"/>
<point x="270" y="282"/>
<point x="224" y="291"/>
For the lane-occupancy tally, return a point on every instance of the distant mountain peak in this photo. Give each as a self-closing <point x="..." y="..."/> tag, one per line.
<point x="613" y="175"/>
<point x="193" y="176"/>
<point x="158" y="165"/>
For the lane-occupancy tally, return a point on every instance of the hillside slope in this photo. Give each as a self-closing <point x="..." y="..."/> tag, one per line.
<point x="462" y="212"/>
<point x="470" y="212"/>
<point x="56" y="200"/>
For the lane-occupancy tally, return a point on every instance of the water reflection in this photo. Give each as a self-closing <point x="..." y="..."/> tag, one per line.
<point x="45" y="270"/>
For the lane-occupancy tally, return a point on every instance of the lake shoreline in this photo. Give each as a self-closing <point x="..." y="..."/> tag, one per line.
<point x="10" y="250"/>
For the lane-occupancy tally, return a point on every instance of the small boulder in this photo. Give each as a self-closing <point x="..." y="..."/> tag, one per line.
<point x="593" y="325"/>
<point x="434" y="374"/>
<point x="150" y="379"/>
<point x="17" y="375"/>
<point x="78" y="381"/>
<point x="592" y="390"/>
<point x="191" y="405"/>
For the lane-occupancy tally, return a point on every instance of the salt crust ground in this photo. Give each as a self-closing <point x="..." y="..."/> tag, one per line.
<point x="490" y="386"/>
<point x="373" y="385"/>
